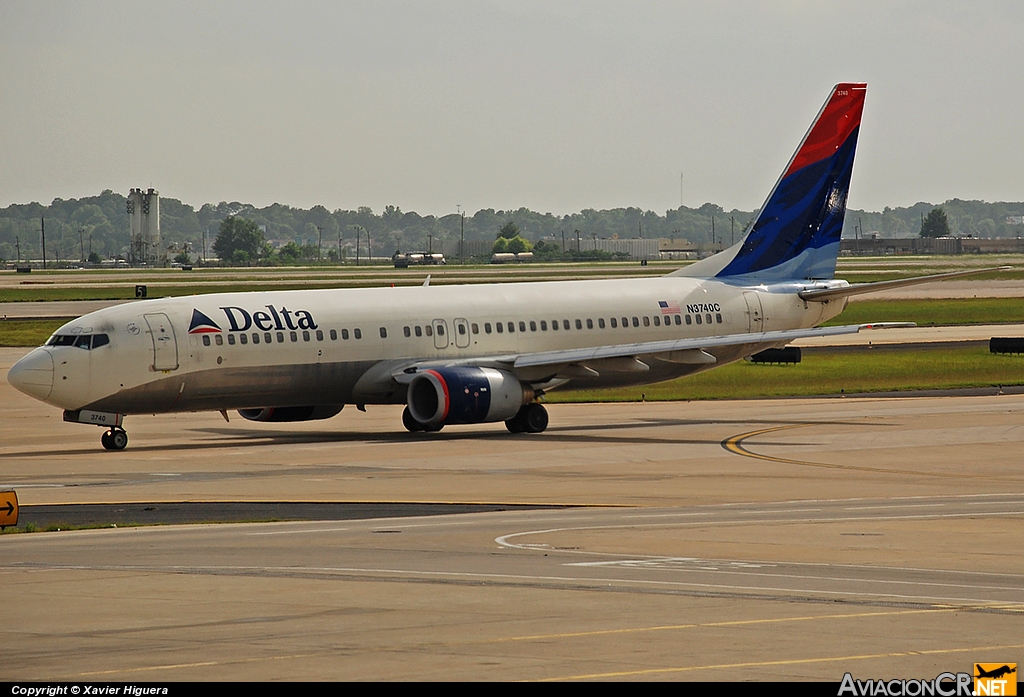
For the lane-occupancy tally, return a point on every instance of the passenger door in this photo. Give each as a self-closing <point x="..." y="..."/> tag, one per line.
<point x="165" y="346"/>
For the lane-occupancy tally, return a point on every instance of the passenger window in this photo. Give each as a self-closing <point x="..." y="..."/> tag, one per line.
<point x="708" y="316"/>
<point x="679" y="320"/>
<point x="487" y="327"/>
<point x="625" y="322"/>
<point x="244" y="338"/>
<point x="600" y="323"/>
<point x="533" y="326"/>
<point x="440" y="330"/>
<point x="698" y="318"/>
<point x="462" y="329"/>
<point x="636" y="321"/>
<point x="407" y="332"/>
<point x="590" y="324"/>
<point x="688" y="320"/>
<point x="647" y="321"/>
<point x="500" y="327"/>
<point x="383" y="333"/>
<point x="268" y="338"/>
<point x="615" y="323"/>
<point x="475" y="328"/>
<point x="565" y="324"/>
<point x="231" y="339"/>
<point x="334" y="335"/>
<point x="280" y="337"/>
<point x="218" y="339"/>
<point x="657" y="321"/>
<point x="255" y="338"/>
<point x="305" y="336"/>
<point x="554" y="325"/>
<point x="206" y="339"/>
<point x="419" y="332"/>
<point x="429" y="330"/>
<point x="344" y="335"/>
<point x="511" y="327"/>
<point x="718" y="318"/>
<point x="543" y="325"/>
<point x="295" y="336"/>
<point x="522" y="326"/>
<point x="357" y="333"/>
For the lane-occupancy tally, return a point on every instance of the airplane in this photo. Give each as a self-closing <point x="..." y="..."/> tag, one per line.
<point x="467" y="354"/>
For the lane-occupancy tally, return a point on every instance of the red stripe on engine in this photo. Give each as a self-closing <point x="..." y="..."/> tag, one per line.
<point x="447" y="397"/>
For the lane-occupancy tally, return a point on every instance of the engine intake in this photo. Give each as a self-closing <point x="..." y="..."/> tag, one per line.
<point x="280" y="414"/>
<point x="464" y="395"/>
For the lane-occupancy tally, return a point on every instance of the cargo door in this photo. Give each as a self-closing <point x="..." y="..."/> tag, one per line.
<point x="165" y="346"/>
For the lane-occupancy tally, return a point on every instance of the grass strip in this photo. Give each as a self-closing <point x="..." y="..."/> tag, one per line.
<point x="939" y="312"/>
<point x="28" y="332"/>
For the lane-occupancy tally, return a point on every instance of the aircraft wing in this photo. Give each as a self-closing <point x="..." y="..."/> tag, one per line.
<point x="672" y="346"/>
<point x="689" y="351"/>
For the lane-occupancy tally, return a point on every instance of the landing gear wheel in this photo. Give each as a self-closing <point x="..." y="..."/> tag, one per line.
<point x="532" y="418"/>
<point x="114" y="439"/>
<point x="515" y="424"/>
<point x="535" y="418"/>
<point x="414" y="426"/>
<point x="411" y="424"/>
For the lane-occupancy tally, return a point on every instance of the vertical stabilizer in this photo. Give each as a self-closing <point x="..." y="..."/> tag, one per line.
<point x="796" y="234"/>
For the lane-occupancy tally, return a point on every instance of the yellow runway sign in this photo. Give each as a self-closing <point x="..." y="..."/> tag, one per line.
<point x="8" y="508"/>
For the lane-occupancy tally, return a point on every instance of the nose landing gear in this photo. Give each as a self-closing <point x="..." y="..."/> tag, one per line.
<point x="114" y="439"/>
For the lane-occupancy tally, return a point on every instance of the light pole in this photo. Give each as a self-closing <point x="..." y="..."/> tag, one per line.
<point x="357" y="228"/>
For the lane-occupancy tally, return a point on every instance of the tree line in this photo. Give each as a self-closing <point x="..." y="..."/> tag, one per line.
<point x="99" y="225"/>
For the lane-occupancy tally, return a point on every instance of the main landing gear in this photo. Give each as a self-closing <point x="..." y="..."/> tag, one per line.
<point x="532" y="418"/>
<point x="414" y="426"/>
<point x="114" y="439"/>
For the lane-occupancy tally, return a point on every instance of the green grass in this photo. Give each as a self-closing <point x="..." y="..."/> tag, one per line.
<point x="825" y="372"/>
<point x="30" y="332"/>
<point x="934" y="312"/>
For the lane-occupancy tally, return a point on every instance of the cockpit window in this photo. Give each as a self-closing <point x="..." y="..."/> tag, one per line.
<point x="84" y="341"/>
<point x="61" y="340"/>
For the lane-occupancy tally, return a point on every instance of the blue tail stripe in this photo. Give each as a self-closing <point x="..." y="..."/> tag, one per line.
<point x="802" y="220"/>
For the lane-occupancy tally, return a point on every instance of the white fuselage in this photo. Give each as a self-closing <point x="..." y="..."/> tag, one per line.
<point x="319" y="347"/>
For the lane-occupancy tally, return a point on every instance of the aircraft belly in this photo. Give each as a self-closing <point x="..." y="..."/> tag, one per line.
<point x="238" y="388"/>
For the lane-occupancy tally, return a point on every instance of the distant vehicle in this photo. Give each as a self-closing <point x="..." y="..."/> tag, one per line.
<point x="404" y="261"/>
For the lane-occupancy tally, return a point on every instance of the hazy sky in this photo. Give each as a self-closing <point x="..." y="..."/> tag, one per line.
<point x="557" y="106"/>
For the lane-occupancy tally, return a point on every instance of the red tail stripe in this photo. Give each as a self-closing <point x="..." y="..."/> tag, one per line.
<point x="835" y="124"/>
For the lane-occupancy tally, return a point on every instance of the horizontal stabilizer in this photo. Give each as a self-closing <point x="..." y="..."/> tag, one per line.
<point x="822" y="294"/>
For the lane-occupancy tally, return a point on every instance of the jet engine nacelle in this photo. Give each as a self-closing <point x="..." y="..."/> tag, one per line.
<point x="465" y="395"/>
<point x="324" y="411"/>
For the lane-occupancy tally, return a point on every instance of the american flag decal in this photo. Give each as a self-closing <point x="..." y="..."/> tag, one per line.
<point x="669" y="308"/>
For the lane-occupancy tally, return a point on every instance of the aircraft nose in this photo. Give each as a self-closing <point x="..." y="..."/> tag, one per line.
<point x="33" y="374"/>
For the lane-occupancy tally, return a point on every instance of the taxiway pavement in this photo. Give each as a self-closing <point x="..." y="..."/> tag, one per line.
<point x="762" y="539"/>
